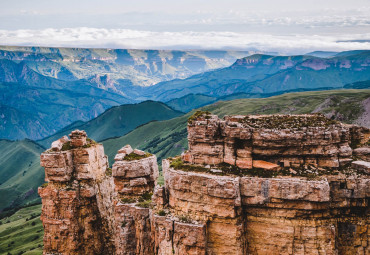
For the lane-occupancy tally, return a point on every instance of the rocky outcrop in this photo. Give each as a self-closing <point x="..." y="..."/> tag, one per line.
<point x="286" y="140"/>
<point x="89" y="208"/>
<point x="247" y="185"/>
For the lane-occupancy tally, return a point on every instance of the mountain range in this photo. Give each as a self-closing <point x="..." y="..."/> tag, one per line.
<point x="270" y="74"/>
<point x="43" y="90"/>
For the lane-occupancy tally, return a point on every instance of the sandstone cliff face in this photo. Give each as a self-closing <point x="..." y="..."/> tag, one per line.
<point x="89" y="208"/>
<point x="244" y="187"/>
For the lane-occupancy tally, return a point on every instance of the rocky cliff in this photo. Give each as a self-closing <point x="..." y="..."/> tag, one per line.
<point x="248" y="185"/>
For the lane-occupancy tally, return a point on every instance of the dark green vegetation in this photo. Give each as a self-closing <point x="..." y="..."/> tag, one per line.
<point x="133" y="156"/>
<point x="168" y="138"/>
<point x="22" y="232"/>
<point x="118" y="121"/>
<point x="20" y="174"/>
<point x="197" y="114"/>
<point x="271" y="74"/>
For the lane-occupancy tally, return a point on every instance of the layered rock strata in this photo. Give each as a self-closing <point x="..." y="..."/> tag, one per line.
<point x="287" y="140"/>
<point x="247" y="185"/>
<point x="89" y="208"/>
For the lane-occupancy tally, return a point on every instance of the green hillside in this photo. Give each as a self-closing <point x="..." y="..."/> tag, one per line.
<point x="22" y="232"/>
<point x="118" y="121"/>
<point x="20" y="173"/>
<point x="190" y="102"/>
<point x="168" y="138"/>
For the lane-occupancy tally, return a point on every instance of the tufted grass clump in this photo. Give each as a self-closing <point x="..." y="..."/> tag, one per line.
<point x="133" y="156"/>
<point x="162" y="213"/>
<point x="66" y="146"/>
<point x="128" y="200"/>
<point x="144" y="204"/>
<point x="44" y="185"/>
<point x="108" y="172"/>
<point x="185" y="219"/>
<point x="178" y="164"/>
<point x="198" y="114"/>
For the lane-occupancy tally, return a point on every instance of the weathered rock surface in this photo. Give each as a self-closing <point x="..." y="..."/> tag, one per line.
<point x="216" y="200"/>
<point x="90" y="209"/>
<point x="286" y="140"/>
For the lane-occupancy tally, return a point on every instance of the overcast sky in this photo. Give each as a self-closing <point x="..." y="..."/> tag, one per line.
<point x="287" y="26"/>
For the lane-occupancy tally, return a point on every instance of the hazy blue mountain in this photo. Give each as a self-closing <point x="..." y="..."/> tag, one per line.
<point x="138" y="67"/>
<point x="322" y="54"/>
<point x="34" y="106"/>
<point x="270" y="74"/>
<point x="358" y="85"/>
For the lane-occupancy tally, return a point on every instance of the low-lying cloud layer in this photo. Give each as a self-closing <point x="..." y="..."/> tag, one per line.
<point x="135" y="39"/>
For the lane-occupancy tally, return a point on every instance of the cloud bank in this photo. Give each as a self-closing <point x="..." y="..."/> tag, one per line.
<point x="139" y="39"/>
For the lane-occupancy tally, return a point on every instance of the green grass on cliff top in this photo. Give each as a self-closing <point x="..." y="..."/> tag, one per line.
<point x="169" y="138"/>
<point x="22" y="233"/>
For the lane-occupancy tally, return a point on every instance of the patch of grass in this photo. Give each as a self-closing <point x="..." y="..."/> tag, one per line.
<point x="178" y="164"/>
<point x="146" y="196"/>
<point x="89" y="142"/>
<point x="128" y="200"/>
<point x="144" y="204"/>
<point x="44" y="185"/>
<point x="185" y="219"/>
<point x="17" y="234"/>
<point x="67" y="146"/>
<point x="197" y="115"/>
<point x="133" y="156"/>
<point x="108" y="172"/>
<point x="162" y="213"/>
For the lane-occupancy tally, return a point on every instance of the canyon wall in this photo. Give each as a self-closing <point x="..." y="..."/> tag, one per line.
<point x="248" y="185"/>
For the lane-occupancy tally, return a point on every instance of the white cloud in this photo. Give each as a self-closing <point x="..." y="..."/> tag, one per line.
<point x="135" y="39"/>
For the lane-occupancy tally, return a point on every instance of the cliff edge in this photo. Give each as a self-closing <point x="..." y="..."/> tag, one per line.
<point x="274" y="184"/>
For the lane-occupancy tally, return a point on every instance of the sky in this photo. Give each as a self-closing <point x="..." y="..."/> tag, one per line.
<point x="284" y="26"/>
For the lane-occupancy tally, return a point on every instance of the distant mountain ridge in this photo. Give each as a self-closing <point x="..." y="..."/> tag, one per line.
<point x="133" y="67"/>
<point x="269" y="74"/>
